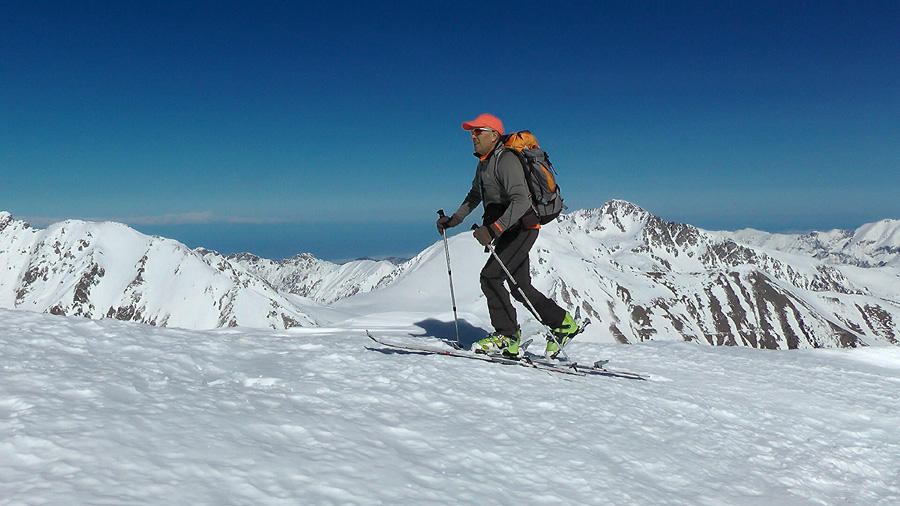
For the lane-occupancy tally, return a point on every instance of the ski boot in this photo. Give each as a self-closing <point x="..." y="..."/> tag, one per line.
<point x="565" y="332"/>
<point x="499" y="344"/>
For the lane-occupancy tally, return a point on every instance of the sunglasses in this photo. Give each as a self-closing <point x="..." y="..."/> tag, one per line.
<point x="479" y="131"/>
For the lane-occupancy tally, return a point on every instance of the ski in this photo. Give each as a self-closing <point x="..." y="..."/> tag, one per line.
<point x="529" y="360"/>
<point x="497" y="359"/>
<point x="598" y="368"/>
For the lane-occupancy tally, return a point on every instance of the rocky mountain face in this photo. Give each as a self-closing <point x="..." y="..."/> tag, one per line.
<point x="637" y="276"/>
<point x="645" y="278"/>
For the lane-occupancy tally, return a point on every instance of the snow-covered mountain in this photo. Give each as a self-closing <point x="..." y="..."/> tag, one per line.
<point x="641" y="278"/>
<point x="646" y="278"/>
<point x="322" y="281"/>
<point x="871" y="245"/>
<point x="108" y="270"/>
<point x="637" y="276"/>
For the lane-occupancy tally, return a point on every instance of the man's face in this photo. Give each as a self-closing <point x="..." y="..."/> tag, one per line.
<point x="484" y="139"/>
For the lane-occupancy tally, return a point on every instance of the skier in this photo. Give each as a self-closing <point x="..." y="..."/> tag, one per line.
<point x="510" y="219"/>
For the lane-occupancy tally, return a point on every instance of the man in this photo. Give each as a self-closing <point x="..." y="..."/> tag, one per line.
<point x="511" y="221"/>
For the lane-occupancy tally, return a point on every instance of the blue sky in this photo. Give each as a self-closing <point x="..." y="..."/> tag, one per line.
<point x="334" y="127"/>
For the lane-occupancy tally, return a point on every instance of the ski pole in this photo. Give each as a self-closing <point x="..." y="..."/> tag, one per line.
<point x="450" y="276"/>
<point x="524" y="297"/>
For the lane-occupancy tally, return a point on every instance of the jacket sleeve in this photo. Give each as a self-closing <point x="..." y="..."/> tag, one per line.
<point x="512" y="179"/>
<point x="471" y="201"/>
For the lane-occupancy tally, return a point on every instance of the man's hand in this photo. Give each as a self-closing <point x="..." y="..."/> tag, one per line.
<point x="445" y="222"/>
<point x="484" y="235"/>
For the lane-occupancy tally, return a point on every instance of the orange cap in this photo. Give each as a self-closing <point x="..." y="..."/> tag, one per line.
<point x="485" y="120"/>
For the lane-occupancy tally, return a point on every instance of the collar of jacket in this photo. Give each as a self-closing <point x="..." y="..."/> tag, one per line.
<point x="498" y="148"/>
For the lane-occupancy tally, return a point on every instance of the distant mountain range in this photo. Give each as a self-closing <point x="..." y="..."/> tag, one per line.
<point x="637" y="276"/>
<point x="108" y="270"/>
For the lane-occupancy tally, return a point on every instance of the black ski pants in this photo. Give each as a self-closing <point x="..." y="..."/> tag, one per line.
<point x="512" y="247"/>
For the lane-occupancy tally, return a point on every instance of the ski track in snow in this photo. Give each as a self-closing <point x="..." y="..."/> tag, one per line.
<point x="105" y="412"/>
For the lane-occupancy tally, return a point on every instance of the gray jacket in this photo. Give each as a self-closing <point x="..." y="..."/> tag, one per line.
<point x="500" y="185"/>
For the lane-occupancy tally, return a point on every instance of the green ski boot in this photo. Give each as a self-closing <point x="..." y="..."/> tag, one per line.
<point x="499" y="344"/>
<point x="563" y="334"/>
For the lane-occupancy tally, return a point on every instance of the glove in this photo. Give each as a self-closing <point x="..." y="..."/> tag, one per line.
<point x="484" y="235"/>
<point x="445" y="222"/>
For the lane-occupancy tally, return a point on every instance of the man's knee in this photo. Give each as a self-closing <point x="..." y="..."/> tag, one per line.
<point x="492" y="271"/>
<point x="490" y="281"/>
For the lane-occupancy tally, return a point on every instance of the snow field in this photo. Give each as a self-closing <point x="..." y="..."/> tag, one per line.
<point x="104" y="412"/>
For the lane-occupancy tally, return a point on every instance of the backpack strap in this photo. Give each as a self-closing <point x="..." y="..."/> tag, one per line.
<point x="529" y="219"/>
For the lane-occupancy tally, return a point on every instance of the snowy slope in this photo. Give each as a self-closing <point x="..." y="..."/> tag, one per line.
<point x="107" y="412"/>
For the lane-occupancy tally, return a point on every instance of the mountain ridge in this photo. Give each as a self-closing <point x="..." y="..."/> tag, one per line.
<point x="638" y="276"/>
<point x="108" y="270"/>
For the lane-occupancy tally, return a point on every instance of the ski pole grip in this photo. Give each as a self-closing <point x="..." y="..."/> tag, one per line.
<point x="440" y="213"/>
<point x="475" y="226"/>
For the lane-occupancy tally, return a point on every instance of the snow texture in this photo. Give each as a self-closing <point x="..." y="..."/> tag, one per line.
<point x="109" y="412"/>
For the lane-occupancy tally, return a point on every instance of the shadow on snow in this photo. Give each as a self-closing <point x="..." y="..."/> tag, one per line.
<point x="446" y="331"/>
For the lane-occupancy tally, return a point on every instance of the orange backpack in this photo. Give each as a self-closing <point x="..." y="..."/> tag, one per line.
<point x="539" y="173"/>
